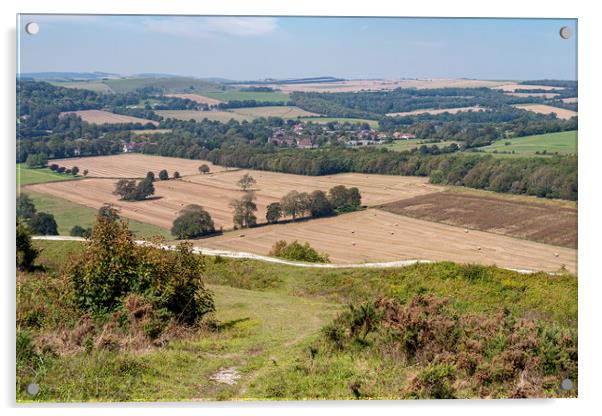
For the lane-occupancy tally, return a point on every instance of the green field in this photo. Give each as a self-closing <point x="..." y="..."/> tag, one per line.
<point x="402" y="145"/>
<point x="563" y="143"/>
<point x="248" y="95"/>
<point x="29" y="176"/>
<point x="269" y="320"/>
<point x="68" y="214"/>
<point x="324" y="120"/>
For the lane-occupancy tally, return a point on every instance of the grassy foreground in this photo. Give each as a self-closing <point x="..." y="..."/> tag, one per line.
<point x="272" y="335"/>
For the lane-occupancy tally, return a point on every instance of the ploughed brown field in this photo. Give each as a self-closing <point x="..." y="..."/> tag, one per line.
<point x="134" y="165"/>
<point x="541" y="222"/>
<point x="375" y="235"/>
<point x="548" y="109"/>
<point x="106" y="117"/>
<point x="215" y="192"/>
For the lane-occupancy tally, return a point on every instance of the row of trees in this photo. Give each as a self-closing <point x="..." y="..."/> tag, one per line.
<point x="61" y="169"/>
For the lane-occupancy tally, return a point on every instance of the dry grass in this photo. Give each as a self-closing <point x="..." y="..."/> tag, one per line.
<point x="374" y="235"/>
<point x="223" y="116"/>
<point x="548" y="109"/>
<point x="134" y="165"/>
<point x="105" y="117"/>
<point x="436" y="111"/>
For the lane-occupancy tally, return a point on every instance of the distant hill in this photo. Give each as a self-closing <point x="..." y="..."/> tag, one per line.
<point x="271" y="81"/>
<point x="66" y="76"/>
<point x="167" y="84"/>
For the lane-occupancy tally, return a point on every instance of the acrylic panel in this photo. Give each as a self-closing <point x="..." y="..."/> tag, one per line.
<point x="295" y="208"/>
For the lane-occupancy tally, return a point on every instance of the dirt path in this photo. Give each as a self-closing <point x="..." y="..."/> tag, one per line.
<point x="243" y="255"/>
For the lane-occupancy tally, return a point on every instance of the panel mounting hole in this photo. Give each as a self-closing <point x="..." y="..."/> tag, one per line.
<point x="32" y="28"/>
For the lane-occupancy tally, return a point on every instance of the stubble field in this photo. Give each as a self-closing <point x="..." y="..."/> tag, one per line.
<point x="134" y="165"/>
<point x="562" y="113"/>
<point x="215" y="192"/>
<point x="375" y="235"/>
<point x="106" y="117"/>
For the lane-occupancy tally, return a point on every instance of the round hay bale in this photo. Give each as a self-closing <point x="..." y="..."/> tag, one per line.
<point x="466" y="230"/>
<point x="556" y="254"/>
<point x="478" y="248"/>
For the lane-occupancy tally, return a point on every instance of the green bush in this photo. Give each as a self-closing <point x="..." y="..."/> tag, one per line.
<point x="112" y="266"/>
<point x="298" y="252"/>
<point x="26" y="253"/>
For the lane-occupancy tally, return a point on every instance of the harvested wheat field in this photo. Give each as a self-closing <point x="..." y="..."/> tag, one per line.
<point x="436" y="111"/>
<point x="271" y="186"/>
<point x="196" y="98"/>
<point x="134" y="165"/>
<point x="375" y="235"/>
<point x="513" y="87"/>
<point x="215" y="192"/>
<point x="541" y="222"/>
<point x="105" y="117"/>
<point x="548" y="109"/>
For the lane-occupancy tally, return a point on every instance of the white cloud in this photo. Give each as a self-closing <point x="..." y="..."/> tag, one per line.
<point x="203" y="27"/>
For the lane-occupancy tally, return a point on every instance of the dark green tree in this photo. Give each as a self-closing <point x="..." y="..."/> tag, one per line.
<point x="25" y="207"/>
<point x="43" y="223"/>
<point x="273" y="212"/>
<point x="193" y="222"/>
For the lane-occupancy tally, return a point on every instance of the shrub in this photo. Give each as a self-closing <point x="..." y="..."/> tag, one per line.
<point x="26" y="253"/>
<point x="74" y="170"/>
<point x="204" y="168"/>
<point x="176" y="175"/>
<point x="297" y="251"/>
<point x="192" y="223"/>
<point x="112" y="266"/>
<point x="60" y="169"/>
<point x="53" y="167"/>
<point x="163" y="175"/>
<point x="79" y="231"/>
<point x="85" y="172"/>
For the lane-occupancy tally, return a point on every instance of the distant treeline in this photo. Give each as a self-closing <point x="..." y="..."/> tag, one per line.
<point x="375" y="104"/>
<point x="251" y="103"/>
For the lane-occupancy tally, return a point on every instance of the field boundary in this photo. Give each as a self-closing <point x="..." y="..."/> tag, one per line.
<point x="245" y="255"/>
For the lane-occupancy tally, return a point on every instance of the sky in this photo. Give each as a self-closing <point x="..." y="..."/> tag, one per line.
<point x="251" y="48"/>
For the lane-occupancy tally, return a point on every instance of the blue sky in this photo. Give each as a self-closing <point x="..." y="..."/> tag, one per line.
<point x="280" y="47"/>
